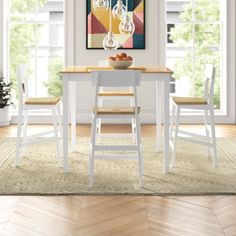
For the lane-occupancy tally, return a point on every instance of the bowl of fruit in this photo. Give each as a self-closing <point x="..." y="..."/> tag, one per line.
<point x="120" y="61"/>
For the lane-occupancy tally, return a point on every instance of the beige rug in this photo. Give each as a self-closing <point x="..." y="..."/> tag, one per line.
<point x="193" y="174"/>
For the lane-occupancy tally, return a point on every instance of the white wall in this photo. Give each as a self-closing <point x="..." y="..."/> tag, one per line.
<point x="1" y="37"/>
<point x="231" y="60"/>
<point x="234" y="64"/>
<point x="148" y="57"/>
<point x="153" y="55"/>
<point x="142" y="57"/>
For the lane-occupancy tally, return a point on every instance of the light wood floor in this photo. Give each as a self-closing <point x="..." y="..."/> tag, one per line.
<point x="118" y="215"/>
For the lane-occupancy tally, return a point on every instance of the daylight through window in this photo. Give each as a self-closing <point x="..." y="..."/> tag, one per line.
<point x="194" y="38"/>
<point x="36" y="33"/>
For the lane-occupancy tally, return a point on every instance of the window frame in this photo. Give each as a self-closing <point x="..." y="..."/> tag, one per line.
<point x="229" y="68"/>
<point x="42" y="117"/>
<point x="35" y="21"/>
<point x="227" y="112"/>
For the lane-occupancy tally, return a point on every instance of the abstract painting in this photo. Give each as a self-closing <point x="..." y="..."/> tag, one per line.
<point x="97" y="26"/>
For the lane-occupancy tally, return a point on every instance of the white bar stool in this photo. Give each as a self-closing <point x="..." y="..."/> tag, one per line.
<point x="205" y="104"/>
<point x="26" y="105"/>
<point x="106" y="79"/>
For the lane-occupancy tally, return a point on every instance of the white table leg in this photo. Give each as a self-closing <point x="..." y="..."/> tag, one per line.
<point x="159" y="113"/>
<point x="166" y="125"/>
<point x="73" y="115"/>
<point x="65" y="123"/>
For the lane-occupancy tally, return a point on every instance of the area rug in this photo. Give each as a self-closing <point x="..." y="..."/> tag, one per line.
<point x="193" y="174"/>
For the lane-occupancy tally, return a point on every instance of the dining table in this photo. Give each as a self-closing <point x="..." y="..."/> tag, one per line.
<point x="159" y="75"/>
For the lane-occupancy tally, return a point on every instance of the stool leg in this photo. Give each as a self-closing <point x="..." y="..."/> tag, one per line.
<point x="172" y="121"/>
<point x="133" y="122"/>
<point x="59" y="120"/>
<point x="60" y="128"/>
<point x="55" y="125"/>
<point x="177" y="118"/>
<point x="92" y="151"/>
<point x="207" y="131"/>
<point x="25" y="124"/>
<point x="99" y="124"/>
<point x="213" y="136"/>
<point x="140" y="159"/>
<point x="18" y="141"/>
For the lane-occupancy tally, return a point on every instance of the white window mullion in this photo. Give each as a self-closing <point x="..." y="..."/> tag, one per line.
<point x="226" y="23"/>
<point x="43" y="46"/>
<point x="5" y="37"/>
<point x="69" y="32"/>
<point x="36" y="51"/>
<point x="162" y="32"/>
<point x="229" y="59"/>
<point x="39" y="22"/>
<point x="196" y="22"/>
<point x="193" y="48"/>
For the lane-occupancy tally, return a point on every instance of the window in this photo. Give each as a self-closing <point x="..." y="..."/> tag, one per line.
<point x="169" y="28"/>
<point x="36" y="38"/>
<point x="194" y="38"/>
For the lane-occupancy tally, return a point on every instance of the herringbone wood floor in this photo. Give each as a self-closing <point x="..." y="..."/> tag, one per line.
<point x="118" y="215"/>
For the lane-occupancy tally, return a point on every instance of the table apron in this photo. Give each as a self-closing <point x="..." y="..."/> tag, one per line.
<point x="144" y="77"/>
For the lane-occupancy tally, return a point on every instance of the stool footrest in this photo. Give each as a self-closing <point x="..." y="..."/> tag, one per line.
<point x="206" y="143"/>
<point x="114" y="135"/>
<point x="31" y="141"/>
<point x="190" y="134"/>
<point x="115" y="157"/>
<point x="38" y="135"/>
<point x="116" y="147"/>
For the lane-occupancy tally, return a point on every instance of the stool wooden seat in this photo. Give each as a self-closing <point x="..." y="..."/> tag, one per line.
<point x="42" y="101"/>
<point x="104" y="95"/>
<point x="115" y="110"/>
<point x="116" y="93"/>
<point x="189" y="101"/>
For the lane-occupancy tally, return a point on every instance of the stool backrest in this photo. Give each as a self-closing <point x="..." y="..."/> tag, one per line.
<point x="22" y="82"/>
<point x="210" y="72"/>
<point x="116" y="78"/>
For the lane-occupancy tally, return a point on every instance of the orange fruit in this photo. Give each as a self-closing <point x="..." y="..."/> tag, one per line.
<point x="111" y="58"/>
<point x="123" y="54"/>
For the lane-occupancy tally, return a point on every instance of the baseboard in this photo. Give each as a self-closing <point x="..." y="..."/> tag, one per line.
<point x="85" y="117"/>
<point x="147" y="117"/>
<point x="5" y="123"/>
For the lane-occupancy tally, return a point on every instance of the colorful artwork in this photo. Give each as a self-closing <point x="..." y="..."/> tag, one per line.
<point x="98" y="26"/>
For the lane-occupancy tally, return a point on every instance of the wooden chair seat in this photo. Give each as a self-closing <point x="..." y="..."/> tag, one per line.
<point x="115" y="93"/>
<point x="120" y="94"/>
<point x="115" y="110"/>
<point x="42" y="101"/>
<point x="189" y="101"/>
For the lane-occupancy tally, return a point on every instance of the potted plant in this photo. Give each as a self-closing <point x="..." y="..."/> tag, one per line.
<point x="5" y="102"/>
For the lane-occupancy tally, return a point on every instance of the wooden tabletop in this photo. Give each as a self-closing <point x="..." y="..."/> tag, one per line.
<point x="88" y="69"/>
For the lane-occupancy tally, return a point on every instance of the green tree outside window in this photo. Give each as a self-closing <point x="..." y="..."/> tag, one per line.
<point x="23" y="41"/>
<point x="206" y="44"/>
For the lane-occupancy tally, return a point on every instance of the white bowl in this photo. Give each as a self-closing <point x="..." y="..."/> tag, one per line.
<point x="120" y="65"/>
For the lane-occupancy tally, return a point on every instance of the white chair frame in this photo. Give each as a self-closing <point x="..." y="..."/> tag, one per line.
<point x="23" y="139"/>
<point x="208" y="109"/>
<point x="101" y="99"/>
<point x="121" y="78"/>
